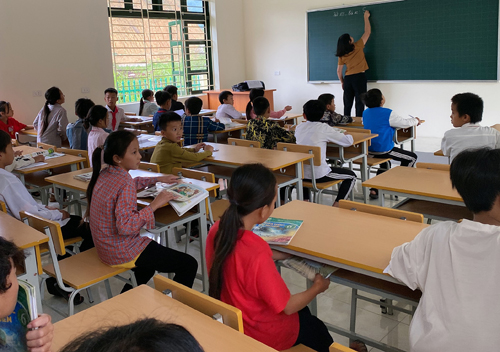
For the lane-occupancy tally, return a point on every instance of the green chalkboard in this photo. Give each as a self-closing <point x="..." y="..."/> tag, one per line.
<point x="411" y="40"/>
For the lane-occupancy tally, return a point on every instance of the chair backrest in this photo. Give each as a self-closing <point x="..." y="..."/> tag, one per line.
<point x="354" y="129"/>
<point x="205" y="304"/>
<point x="149" y="166"/>
<point x="41" y="224"/>
<point x="375" y="209"/>
<point x="3" y="207"/>
<point x="337" y="347"/>
<point x="77" y="152"/>
<point x="297" y="148"/>
<point x="442" y="167"/>
<point x="45" y="146"/>
<point x="197" y="175"/>
<point x="243" y="143"/>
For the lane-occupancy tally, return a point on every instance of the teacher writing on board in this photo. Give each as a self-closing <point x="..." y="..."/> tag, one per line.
<point x="351" y="53"/>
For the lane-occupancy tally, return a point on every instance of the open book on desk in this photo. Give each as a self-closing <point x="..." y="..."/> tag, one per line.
<point x="277" y="231"/>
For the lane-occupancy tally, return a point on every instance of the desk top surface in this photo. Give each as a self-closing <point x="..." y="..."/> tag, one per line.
<point x="144" y="301"/>
<point x="237" y="127"/>
<point x="21" y="234"/>
<point x="418" y="181"/>
<point x="49" y="163"/>
<point x="353" y="238"/>
<point x="31" y="132"/>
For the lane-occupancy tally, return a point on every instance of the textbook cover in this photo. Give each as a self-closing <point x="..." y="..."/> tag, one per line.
<point x="13" y="328"/>
<point x="277" y="231"/>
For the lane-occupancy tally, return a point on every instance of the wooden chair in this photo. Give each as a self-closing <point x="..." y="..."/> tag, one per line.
<point x="243" y="143"/>
<point x="45" y="146"/>
<point x="77" y="272"/>
<point x="442" y="167"/>
<point x="3" y="207"/>
<point x="149" y="167"/>
<point x="77" y="152"/>
<point x="225" y="313"/>
<point x="317" y="188"/>
<point x="375" y="209"/>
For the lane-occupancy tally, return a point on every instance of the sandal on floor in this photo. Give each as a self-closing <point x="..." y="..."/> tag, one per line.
<point x="358" y="345"/>
<point x="373" y="193"/>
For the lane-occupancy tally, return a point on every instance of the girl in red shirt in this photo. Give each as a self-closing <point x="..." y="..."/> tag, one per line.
<point x="8" y="123"/>
<point x="243" y="274"/>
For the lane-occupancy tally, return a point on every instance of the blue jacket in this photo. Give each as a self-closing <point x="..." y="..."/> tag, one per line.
<point x="377" y="121"/>
<point x="77" y="135"/>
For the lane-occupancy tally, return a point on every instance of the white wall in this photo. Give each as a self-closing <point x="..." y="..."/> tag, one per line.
<point x="53" y="43"/>
<point x="275" y="40"/>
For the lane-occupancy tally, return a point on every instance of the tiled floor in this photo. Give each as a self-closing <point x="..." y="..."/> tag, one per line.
<point x="333" y="305"/>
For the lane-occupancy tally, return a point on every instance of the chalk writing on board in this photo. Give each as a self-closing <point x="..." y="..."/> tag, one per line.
<point x="348" y="13"/>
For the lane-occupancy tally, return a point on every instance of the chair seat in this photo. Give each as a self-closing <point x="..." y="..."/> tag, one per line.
<point x="218" y="171"/>
<point x="218" y="208"/>
<point x="321" y="185"/>
<point x="371" y="161"/>
<point x="437" y="210"/>
<point x="95" y="270"/>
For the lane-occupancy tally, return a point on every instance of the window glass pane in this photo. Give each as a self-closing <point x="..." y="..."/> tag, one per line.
<point x="199" y="82"/>
<point x="195" y="5"/>
<point x="119" y="4"/>
<point x="198" y="58"/>
<point x="171" y="5"/>
<point x="196" y="31"/>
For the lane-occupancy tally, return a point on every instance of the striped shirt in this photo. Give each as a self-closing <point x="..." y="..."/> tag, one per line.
<point x="196" y="129"/>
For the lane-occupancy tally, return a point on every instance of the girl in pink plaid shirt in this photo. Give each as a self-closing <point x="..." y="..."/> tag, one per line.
<point x="115" y="221"/>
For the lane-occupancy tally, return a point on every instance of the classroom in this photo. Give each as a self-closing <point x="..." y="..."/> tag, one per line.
<point x="68" y="44"/>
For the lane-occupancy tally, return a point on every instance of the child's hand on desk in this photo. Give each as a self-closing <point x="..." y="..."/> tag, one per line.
<point x="199" y="146"/>
<point x="209" y="148"/>
<point x="40" y="339"/>
<point x="39" y="158"/>
<point x="170" y="179"/>
<point x="18" y="153"/>
<point x="321" y="284"/>
<point x="161" y="199"/>
<point x="419" y="121"/>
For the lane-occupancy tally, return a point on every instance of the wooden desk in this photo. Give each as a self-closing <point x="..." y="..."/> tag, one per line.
<point x="425" y="184"/>
<point x="148" y="141"/>
<point x="241" y="99"/>
<point x="146" y="302"/>
<point x="239" y="127"/>
<point x="289" y="117"/>
<point x="439" y="153"/>
<point x="146" y="121"/>
<point x="31" y="132"/>
<point x="29" y="239"/>
<point x="207" y="112"/>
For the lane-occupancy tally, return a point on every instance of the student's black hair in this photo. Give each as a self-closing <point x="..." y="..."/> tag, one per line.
<point x="254" y="93"/>
<point x="172" y="90"/>
<point x="470" y="104"/>
<point x="116" y="144"/>
<point x="372" y="98"/>
<point x="344" y="45"/>
<point x="475" y="174"/>
<point x="252" y="186"/>
<point x="82" y="107"/>
<point x="166" y="118"/>
<point x="145" y="335"/>
<point x="162" y="97"/>
<point x="111" y="90"/>
<point x="224" y="95"/>
<point x="260" y="106"/>
<point x="52" y="95"/>
<point x="95" y="114"/>
<point x="194" y="105"/>
<point x="146" y="93"/>
<point x="9" y="251"/>
<point x="314" y="110"/>
<point x="5" y="140"/>
<point x="326" y="98"/>
<point x="4" y="106"/>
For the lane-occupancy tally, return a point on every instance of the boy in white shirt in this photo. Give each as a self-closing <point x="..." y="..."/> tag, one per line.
<point x="456" y="265"/>
<point x="315" y="133"/>
<point x="226" y="111"/>
<point x="466" y="113"/>
<point x="116" y="114"/>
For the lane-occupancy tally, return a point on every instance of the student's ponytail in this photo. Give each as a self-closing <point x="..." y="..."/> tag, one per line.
<point x="254" y="93"/>
<point x="146" y="93"/>
<point x="96" y="169"/>
<point x="52" y="95"/>
<point x="252" y="186"/>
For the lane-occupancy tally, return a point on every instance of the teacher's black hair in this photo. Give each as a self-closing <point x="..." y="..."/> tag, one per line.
<point x="344" y="45"/>
<point x="469" y="104"/>
<point x="372" y="98"/>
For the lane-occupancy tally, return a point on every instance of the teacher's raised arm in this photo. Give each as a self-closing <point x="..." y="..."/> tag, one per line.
<point x="351" y="54"/>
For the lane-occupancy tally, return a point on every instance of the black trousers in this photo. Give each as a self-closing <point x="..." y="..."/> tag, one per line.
<point x="75" y="228"/>
<point x="337" y="173"/>
<point x="156" y="257"/>
<point x="406" y="158"/>
<point x="313" y="332"/>
<point x="354" y="86"/>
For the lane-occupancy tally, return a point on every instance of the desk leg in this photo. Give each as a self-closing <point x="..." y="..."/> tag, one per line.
<point x="74" y="167"/>
<point x="32" y="274"/>
<point x="364" y="169"/>
<point x="21" y="177"/>
<point x="313" y="306"/>
<point x="203" y="240"/>
<point x="298" y="174"/>
<point x="381" y="198"/>
<point x="215" y="137"/>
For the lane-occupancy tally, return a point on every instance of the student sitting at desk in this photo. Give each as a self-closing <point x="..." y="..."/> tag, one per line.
<point x="466" y="114"/>
<point x="315" y="133"/>
<point x="455" y="265"/>
<point x="116" y="223"/>
<point x="242" y="272"/>
<point x="163" y="99"/>
<point x="8" y="123"/>
<point x="383" y="121"/>
<point x="255" y="93"/>
<point x="116" y="114"/>
<point x="76" y="132"/>
<point x="176" y="105"/>
<point x="168" y="154"/>
<point x="147" y="105"/>
<point x="226" y="111"/>
<point x="40" y="334"/>
<point x="50" y="123"/>
<point x="268" y="133"/>
<point x="331" y="117"/>
<point x="196" y="127"/>
<point x="96" y="122"/>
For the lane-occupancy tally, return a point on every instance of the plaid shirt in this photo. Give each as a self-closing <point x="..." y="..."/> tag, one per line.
<point x="268" y="133"/>
<point x="333" y="118"/>
<point x="196" y="129"/>
<point x="114" y="220"/>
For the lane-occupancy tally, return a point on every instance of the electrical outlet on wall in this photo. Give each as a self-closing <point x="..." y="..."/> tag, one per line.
<point x="37" y="93"/>
<point x="277" y="73"/>
<point x="85" y="90"/>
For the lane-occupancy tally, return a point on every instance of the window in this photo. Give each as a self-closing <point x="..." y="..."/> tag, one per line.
<point x="155" y="43"/>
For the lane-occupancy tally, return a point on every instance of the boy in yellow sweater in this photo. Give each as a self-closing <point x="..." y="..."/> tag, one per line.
<point x="168" y="154"/>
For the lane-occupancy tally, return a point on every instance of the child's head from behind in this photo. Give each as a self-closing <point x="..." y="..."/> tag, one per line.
<point x="261" y="107"/>
<point x="11" y="258"/>
<point x="82" y="107"/>
<point x="145" y="335"/>
<point x="373" y="98"/>
<point x="147" y="94"/>
<point x="226" y="97"/>
<point x="172" y="90"/>
<point x="193" y="106"/>
<point x="111" y="97"/>
<point x="255" y="93"/>
<point x="252" y="194"/>
<point x="314" y="110"/>
<point x="97" y="117"/>
<point x="6" y="151"/>
<point x="475" y="174"/>
<point x="163" y="99"/>
<point x="466" y="107"/>
<point x="171" y="126"/>
<point x="53" y="95"/>
<point x="6" y="109"/>
<point x="329" y="101"/>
